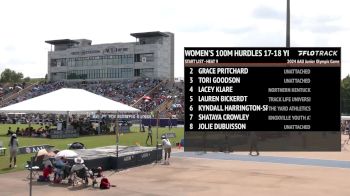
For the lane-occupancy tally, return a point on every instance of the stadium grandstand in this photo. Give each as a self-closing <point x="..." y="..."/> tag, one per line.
<point x="100" y="69"/>
<point x="139" y="74"/>
<point x="148" y="95"/>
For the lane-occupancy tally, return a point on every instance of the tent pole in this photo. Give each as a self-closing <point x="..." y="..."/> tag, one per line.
<point x="99" y="123"/>
<point x="117" y="138"/>
<point x="157" y="117"/>
<point x="31" y="176"/>
<point x="67" y="121"/>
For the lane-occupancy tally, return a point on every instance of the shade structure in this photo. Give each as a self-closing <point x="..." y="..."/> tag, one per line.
<point x="42" y="152"/>
<point x="66" y="153"/>
<point x="74" y="101"/>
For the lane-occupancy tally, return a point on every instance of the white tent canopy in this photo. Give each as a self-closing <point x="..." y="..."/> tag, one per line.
<point x="345" y="117"/>
<point x="66" y="100"/>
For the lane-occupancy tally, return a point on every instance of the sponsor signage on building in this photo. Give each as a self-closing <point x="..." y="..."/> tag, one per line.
<point x="109" y="50"/>
<point x="113" y="50"/>
<point x="84" y="52"/>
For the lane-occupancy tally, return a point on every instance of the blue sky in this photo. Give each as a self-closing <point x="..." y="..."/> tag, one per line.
<point x="25" y="25"/>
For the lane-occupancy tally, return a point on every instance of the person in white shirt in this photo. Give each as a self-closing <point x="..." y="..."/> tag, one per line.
<point x="167" y="149"/>
<point x="13" y="149"/>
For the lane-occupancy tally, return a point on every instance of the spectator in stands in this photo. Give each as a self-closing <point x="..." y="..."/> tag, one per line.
<point x="129" y="92"/>
<point x="13" y="150"/>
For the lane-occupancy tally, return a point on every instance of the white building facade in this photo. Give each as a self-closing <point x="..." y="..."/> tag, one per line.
<point x="150" y="56"/>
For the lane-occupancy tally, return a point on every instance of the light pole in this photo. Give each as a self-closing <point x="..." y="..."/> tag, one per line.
<point x="117" y="138"/>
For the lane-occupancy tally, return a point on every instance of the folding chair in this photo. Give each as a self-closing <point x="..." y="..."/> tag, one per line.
<point x="2" y="149"/>
<point x="80" y="176"/>
<point x="35" y="168"/>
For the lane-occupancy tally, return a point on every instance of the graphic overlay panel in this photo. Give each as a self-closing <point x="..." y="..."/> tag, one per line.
<point x="268" y="99"/>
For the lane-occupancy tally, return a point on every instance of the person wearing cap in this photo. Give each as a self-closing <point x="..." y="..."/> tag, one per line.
<point x="13" y="149"/>
<point x="79" y="164"/>
<point x="167" y="149"/>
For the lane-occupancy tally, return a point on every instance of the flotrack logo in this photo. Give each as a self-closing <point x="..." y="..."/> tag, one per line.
<point x="318" y="52"/>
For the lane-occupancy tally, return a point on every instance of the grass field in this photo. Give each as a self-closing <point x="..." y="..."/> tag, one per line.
<point x="129" y="139"/>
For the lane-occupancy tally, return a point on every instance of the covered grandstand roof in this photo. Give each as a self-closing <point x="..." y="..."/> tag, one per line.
<point x="61" y="41"/>
<point x="149" y="34"/>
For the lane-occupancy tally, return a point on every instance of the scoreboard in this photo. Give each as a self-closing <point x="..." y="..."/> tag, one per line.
<point x="289" y="97"/>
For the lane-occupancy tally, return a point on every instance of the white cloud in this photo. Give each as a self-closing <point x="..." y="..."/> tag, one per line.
<point x="25" y="25"/>
<point x="265" y="12"/>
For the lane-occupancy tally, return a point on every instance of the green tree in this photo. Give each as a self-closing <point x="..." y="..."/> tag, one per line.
<point x="26" y="79"/>
<point x="11" y="76"/>
<point x="345" y="95"/>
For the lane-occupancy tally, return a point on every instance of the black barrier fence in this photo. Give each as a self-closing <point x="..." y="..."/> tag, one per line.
<point x="122" y="162"/>
<point x="104" y="162"/>
<point x="61" y="134"/>
<point x="143" y="158"/>
<point x="163" y="122"/>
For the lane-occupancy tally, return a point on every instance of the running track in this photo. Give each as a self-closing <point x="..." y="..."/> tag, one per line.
<point x="266" y="159"/>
